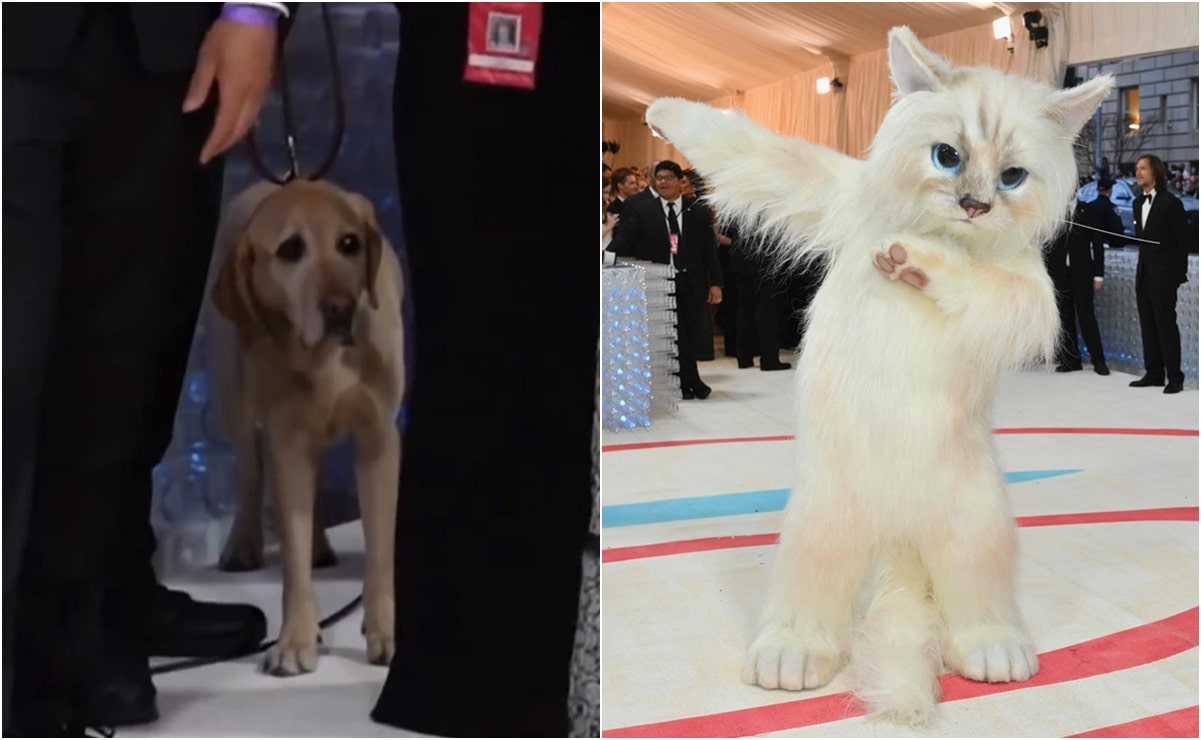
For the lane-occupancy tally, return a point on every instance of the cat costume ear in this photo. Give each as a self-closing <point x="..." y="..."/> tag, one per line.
<point x="1073" y="107"/>
<point x="914" y="67"/>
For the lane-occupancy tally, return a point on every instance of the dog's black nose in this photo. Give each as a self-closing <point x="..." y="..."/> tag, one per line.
<point x="337" y="308"/>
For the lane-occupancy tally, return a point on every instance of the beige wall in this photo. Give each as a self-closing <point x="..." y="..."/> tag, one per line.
<point x="1101" y="31"/>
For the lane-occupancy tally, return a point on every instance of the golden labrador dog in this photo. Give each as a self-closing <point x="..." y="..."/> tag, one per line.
<point x="306" y="348"/>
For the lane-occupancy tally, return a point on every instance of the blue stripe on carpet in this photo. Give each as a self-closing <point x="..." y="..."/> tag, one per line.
<point x="733" y="504"/>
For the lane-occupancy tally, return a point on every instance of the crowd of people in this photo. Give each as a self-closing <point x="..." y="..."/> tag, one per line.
<point x="1183" y="179"/>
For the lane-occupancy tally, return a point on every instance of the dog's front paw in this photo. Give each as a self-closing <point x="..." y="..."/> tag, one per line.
<point x="380" y="648"/>
<point x="992" y="653"/>
<point x="243" y="552"/>
<point x="779" y="658"/>
<point x="294" y="653"/>
<point x="898" y="264"/>
<point x="379" y="627"/>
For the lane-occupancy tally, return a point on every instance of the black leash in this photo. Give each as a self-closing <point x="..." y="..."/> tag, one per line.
<point x="294" y="171"/>
<point x="183" y="665"/>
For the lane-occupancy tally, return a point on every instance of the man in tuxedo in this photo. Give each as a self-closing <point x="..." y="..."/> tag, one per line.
<point x="667" y="230"/>
<point x="1076" y="263"/>
<point x="111" y="197"/>
<point x="1162" y="268"/>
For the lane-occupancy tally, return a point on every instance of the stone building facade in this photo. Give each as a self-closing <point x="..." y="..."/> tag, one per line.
<point x="1153" y="109"/>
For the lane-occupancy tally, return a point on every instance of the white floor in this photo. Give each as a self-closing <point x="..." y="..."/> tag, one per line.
<point x="676" y="616"/>
<point x="237" y="700"/>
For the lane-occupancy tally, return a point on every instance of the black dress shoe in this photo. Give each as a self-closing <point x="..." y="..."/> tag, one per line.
<point x="687" y="393"/>
<point x="1101" y="368"/>
<point x="1174" y="387"/>
<point x="702" y="392"/>
<point x="1145" y="382"/>
<point x="181" y="627"/>
<point x="1065" y="368"/>
<point x="744" y="364"/>
<point x="777" y="366"/>
<point x="122" y="700"/>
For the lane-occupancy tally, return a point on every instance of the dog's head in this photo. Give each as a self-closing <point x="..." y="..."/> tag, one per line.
<point x="307" y="256"/>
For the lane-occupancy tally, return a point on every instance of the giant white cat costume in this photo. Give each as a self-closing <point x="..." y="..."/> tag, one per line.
<point x="935" y="286"/>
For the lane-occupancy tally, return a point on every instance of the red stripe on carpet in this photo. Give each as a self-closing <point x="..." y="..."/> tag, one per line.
<point x="690" y="442"/>
<point x="1015" y="430"/>
<point x="705" y="544"/>
<point x="1118" y="651"/>
<point x="1181" y="723"/>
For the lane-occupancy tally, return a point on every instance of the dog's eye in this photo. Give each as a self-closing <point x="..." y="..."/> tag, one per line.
<point x="290" y="249"/>
<point x="349" y="245"/>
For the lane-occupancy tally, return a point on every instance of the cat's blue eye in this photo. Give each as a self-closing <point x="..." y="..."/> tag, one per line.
<point x="946" y="158"/>
<point x="1011" y="178"/>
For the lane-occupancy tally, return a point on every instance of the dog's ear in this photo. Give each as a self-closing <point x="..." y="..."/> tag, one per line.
<point x="374" y="243"/>
<point x="231" y="290"/>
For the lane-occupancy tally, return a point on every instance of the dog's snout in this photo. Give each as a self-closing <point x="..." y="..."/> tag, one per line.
<point x="337" y="307"/>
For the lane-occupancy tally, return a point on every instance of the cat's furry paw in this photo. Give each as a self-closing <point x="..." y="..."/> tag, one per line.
<point x="897" y="264"/>
<point x="994" y="653"/>
<point x="780" y="659"/>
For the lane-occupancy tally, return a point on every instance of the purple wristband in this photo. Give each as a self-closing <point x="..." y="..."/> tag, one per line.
<point x="251" y="15"/>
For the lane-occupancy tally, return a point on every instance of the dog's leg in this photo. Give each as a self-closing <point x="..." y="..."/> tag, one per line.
<point x="895" y="650"/>
<point x="972" y="569"/>
<point x="377" y="472"/>
<point x="811" y="595"/>
<point x="244" y="548"/>
<point x="293" y="470"/>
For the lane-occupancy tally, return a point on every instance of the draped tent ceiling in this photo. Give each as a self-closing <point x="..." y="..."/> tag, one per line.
<point x="715" y="49"/>
<point x="766" y="58"/>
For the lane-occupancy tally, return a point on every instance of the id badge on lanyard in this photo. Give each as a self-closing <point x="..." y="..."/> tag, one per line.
<point x="675" y="243"/>
<point x="502" y="44"/>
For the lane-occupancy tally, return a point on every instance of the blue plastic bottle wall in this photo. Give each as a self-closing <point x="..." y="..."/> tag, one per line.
<point x="194" y="486"/>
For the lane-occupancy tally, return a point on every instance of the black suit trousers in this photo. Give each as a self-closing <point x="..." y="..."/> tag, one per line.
<point x="1156" y="299"/>
<point x="758" y="320"/>
<point x="109" y="223"/>
<point x="1075" y="300"/>
<point x="495" y="491"/>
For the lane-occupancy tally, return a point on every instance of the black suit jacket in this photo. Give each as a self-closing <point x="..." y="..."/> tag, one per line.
<point x="38" y="37"/>
<point x="1078" y="251"/>
<point x="1108" y="218"/>
<point x="643" y="234"/>
<point x="1165" y="265"/>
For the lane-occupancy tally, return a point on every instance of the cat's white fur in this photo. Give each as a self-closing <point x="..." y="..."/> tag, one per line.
<point x="900" y="502"/>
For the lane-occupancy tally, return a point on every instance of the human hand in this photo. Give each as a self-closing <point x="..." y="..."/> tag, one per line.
<point x="240" y="58"/>
<point x="611" y="221"/>
<point x="714" y="294"/>
<point x="1097" y="283"/>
